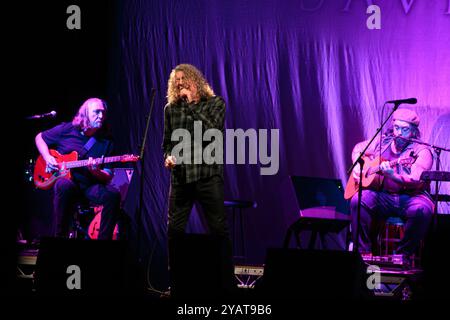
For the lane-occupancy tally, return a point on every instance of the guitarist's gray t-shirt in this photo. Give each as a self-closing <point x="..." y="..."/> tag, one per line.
<point x="66" y="138"/>
<point x="389" y="184"/>
<point x="422" y="161"/>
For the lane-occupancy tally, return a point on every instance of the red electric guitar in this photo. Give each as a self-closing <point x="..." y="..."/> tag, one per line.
<point x="45" y="180"/>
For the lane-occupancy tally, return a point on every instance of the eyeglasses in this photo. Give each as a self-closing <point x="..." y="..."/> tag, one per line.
<point x="402" y="129"/>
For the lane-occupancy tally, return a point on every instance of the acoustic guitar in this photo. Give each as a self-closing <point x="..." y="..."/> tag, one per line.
<point x="44" y="180"/>
<point x="371" y="178"/>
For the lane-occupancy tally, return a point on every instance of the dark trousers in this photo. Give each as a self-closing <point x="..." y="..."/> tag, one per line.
<point x="416" y="211"/>
<point x="67" y="195"/>
<point x="208" y="192"/>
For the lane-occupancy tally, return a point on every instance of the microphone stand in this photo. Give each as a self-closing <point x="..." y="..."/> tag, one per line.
<point x="141" y="186"/>
<point x="360" y="161"/>
<point x="438" y="151"/>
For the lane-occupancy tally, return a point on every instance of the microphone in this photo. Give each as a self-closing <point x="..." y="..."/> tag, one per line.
<point x="411" y="140"/>
<point x="184" y="100"/>
<point x="408" y="101"/>
<point x="51" y="114"/>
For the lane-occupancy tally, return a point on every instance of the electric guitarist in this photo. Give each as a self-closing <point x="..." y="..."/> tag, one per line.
<point x="88" y="137"/>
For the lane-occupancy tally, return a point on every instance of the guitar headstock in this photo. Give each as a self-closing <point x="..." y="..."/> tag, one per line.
<point x="129" y="158"/>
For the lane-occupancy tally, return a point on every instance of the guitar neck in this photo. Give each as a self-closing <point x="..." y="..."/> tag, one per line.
<point x="377" y="168"/>
<point x="84" y="163"/>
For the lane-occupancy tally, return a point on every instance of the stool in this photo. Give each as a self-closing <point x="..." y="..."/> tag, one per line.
<point x="82" y="215"/>
<point x="236" y="208"/>
<point x="393" y="233"/>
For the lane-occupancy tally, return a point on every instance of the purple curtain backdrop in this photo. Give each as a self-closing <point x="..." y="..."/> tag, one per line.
<point x="311" y="69"/>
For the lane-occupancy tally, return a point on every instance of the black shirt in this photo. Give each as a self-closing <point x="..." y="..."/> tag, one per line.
<point x="66" y="138"/>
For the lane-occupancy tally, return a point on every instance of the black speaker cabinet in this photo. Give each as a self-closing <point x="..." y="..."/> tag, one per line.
<point x="87" y="267"/>
<point x="313" y="274"/>
<point x="435" y="252"/>
<point x="200" y="266"/>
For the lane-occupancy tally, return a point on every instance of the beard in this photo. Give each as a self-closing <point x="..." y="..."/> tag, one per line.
<point x="400" y="142"/>
<point x="96" y="125"/>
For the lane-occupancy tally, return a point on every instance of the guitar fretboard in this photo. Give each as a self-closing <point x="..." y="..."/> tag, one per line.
<point x="84" y="163"/>
<point x="376" y="169"/>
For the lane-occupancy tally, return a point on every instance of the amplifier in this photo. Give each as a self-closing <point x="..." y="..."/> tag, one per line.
<point x="247" y="275"/>
<point x="394" y="260"/>
<point x="249" y="270"/>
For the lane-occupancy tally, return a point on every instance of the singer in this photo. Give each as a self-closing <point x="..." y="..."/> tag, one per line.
<point x="190" y="98"/>
<point x="88" y="136"/>
<point x="399" y="191"/>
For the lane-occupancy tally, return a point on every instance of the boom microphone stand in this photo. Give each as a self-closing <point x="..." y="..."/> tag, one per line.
<point x="141" y="186"/>
<point x="360" y="161"/>
<point x="437" y="151"/>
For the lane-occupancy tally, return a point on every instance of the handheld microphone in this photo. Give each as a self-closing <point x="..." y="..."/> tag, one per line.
<point x="408" y="101"/>
<point x="51" y="114"/>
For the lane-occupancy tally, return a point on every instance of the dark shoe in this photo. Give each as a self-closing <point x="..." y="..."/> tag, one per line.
<point x="165" y="294"/>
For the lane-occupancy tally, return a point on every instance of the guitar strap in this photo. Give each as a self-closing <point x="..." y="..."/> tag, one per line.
<point x="87" y="147"/>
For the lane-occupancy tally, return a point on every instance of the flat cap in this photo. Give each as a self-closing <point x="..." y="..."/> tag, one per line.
<point x="406" y="115"/>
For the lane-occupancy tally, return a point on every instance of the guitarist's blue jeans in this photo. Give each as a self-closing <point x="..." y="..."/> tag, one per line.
<point x="68" y="194"/>
<point x="415" y="210"/>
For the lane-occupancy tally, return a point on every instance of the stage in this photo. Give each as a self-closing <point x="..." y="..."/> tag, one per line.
<point x="287" y="95"/>
<point x="288" y="275"/>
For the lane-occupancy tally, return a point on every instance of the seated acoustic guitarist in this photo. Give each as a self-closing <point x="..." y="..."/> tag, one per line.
<point x="391" y="184"/>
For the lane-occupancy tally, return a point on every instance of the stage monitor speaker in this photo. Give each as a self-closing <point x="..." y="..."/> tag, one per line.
<point x="200" y="266"/>
<point x="313" y="274"/>
<point x="436" y="244"/>
<point x="87" y="267"/>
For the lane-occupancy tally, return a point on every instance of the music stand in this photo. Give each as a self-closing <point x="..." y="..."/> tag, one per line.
<point x="437" y="175"/>
<point x="323" y="209"/>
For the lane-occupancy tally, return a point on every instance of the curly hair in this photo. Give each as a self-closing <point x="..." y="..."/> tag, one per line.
<point x="192" y="74"/>
<point x="81" y="119"/>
